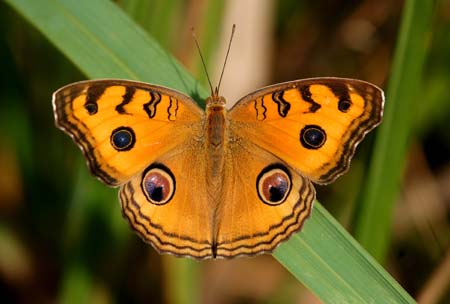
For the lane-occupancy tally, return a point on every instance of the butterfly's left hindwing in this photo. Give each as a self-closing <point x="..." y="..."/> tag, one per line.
<point x="312" y="124"/>
<point x="179" y="220"/>
<point x="121" y="126"/>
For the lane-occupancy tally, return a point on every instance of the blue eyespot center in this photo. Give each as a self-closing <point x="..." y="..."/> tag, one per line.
<point x="278" y="189"/>
<point x="312" y="137"/>
<point x="123" y="139"/>
<point x="156" y="190"/>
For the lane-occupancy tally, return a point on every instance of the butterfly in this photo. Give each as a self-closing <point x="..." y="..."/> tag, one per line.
<point x="217" y="183"/>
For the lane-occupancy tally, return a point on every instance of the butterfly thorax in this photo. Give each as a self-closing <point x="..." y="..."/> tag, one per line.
<point x="216" y="126"/>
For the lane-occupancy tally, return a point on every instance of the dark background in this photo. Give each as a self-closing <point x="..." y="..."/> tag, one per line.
<point x="60" y="241"/>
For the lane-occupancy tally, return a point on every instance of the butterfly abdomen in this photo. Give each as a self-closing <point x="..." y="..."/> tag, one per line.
<point x="216" y="142"/>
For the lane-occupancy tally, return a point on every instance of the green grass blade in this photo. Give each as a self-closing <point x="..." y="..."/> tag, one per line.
<point x="96" y="37"/>
<point x="327" y="260"/>
<point x="108" y="44"/>
<point x="373" y="227"/>
<point x="157" y="17"/>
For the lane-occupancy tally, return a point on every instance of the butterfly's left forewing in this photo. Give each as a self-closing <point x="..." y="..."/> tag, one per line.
<point x="121" y="126"/>
<point x="149" y="140"/>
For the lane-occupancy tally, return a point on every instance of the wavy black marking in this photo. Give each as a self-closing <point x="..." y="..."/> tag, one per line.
<point x="291" y="221"/>
<point x="172" y="109"/>
<point x="260" y="109"/>
<point x="307" y="190"/>
<point x="131" y="210"/>
<point x="126" y="98"/>
<point x="156" y="226"/>
<point x="283" y="105"/>
<point x="150" y="107"/>
<point x="306" y="96"/>
<point x="93" y="94"/>
<point x="340" y="90"/>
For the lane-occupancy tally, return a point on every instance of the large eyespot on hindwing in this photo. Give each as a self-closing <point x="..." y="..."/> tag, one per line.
<point x="312" y="137"/>
<point x="123" y="138"/>
<point x="273" y="184"/>
<point x="158" y="184"/>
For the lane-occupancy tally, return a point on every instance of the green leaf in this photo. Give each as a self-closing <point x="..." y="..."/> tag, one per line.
<point x="327" y="260"/>
<point x="158" y="17"/>
<point x="103" y="42"/>
<point x="373" y="227"/>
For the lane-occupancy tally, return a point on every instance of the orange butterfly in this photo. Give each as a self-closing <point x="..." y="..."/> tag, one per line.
<point x="218" y="183"/>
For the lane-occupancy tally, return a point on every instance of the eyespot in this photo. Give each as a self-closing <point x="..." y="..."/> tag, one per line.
<point x="91" y="108"/>
<point x="158" y="184"/>
<point x="344" y="105"/>
<point x="123" y="138"/>
<point x="273" y="184"/>
<point x="312" y="137"/>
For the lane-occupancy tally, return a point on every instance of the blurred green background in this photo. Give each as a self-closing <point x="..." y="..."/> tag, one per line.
<point x="62" y="237"/>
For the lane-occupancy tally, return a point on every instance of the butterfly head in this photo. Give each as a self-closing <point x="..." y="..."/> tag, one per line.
<point x="215" y="99"/>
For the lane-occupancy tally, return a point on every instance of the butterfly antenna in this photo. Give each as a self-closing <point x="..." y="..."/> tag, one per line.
<point x="203" y="60"/>
<point x="226" y="57"/>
